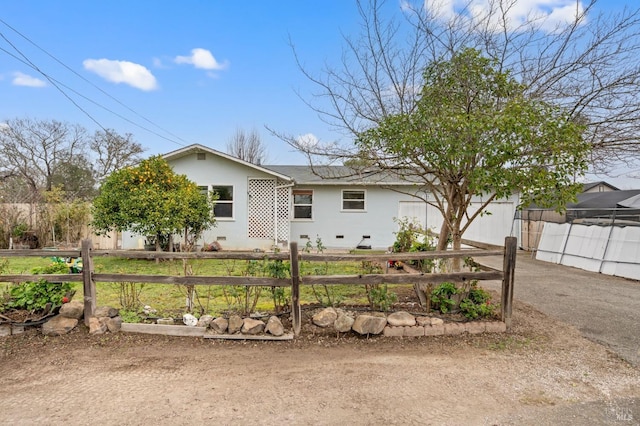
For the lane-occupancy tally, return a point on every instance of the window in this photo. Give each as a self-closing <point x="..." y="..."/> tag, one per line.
<point x="353" y="200"/>
<point x="224" y="204"/>
<point x="302" y="203"/>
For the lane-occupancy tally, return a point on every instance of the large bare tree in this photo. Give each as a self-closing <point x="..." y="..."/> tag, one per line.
<point x="247" y="146"/>
<point x="37" y="154"/>
<point x="31" y="149"/>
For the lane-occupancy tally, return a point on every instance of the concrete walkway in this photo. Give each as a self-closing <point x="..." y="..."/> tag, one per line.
<point x="605" y="309"/>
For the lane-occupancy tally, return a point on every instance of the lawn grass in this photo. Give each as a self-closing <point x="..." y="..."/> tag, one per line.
<point x="170" y="300"/>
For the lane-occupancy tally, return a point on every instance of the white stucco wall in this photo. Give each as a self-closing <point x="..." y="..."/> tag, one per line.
<point x="329" y="221"/>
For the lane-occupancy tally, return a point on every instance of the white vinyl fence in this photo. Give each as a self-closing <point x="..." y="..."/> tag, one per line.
<point x="611" y="250"/>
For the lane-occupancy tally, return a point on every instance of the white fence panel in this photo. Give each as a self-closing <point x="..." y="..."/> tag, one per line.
<point x="610" y="250"/>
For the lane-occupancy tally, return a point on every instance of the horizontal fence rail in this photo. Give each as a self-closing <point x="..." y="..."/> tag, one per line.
<point x="88" y="276"/>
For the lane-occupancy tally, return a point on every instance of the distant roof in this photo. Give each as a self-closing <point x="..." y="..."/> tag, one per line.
<point x="590" y="185"/>
<point x="338" y="175"/>
<point x="607" y="199"/>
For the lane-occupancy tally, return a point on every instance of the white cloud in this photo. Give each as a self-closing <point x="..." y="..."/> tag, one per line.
<point x="130" y="73"/>
<point x="201" y="58"/>
<point x="21" y="79"/>
<point x="546" y="14"/>
<point x="308" y="140"/>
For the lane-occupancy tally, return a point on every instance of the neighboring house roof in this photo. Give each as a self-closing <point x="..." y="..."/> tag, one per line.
<point x="586" y="187"/>
<point x="631" y="202"/>
<point x="197" y="148"/>
<point x="606" y="200"/>
<point x="338" y="175"/>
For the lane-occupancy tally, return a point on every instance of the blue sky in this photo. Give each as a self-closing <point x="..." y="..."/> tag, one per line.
<point x="198" y="70"/>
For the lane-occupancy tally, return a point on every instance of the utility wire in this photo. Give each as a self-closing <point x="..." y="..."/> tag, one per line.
<point x="32" y="65"/>
<point x="92" y="101"/>
<point x="94" y="86"/>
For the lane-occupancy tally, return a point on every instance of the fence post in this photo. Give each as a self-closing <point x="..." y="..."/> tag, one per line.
<point x="89" y="286"/>
<point x="295" y="288"/>
<point x="509" y="269"/>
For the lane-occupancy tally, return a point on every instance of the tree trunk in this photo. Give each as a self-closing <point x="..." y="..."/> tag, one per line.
<point x="443" y="237"/>
<point x="456" y="265"/>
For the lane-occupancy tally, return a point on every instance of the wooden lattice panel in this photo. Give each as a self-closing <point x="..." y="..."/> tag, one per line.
<point x="284" y="203"/>
<point x="261" y="208"/>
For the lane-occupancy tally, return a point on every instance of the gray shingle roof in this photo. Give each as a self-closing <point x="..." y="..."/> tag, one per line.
<point x="338" y="175"/>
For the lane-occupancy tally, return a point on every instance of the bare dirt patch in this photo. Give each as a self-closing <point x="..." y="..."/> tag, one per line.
<point x="543" y="372"/>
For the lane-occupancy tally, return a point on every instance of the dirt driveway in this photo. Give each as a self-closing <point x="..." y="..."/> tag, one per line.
<point x="543" y="372"/>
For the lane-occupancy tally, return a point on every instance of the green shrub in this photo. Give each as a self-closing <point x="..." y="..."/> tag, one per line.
<point x="477" y="304"/>
<point x="441" y="297"/>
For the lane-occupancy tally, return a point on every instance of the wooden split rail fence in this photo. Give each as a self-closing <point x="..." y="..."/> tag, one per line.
<point x="89" y="277"/>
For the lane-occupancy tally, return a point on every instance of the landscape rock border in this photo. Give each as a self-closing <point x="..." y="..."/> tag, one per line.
<point x="395" y="324"/>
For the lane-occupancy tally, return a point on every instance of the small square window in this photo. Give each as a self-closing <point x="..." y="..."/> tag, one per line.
<point x="224" y="204"/>
<point x="302" y="204"/>
<point x="353" y="200"/>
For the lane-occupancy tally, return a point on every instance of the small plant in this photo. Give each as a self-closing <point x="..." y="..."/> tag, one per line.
<point x="368" y="267"/>
<point x="281" y="299"/>
<point x="307" y="247"/>
<point x="380" y="297"/>
<point x="319" y="246"/>
<point x="278" y="269"/>
<point x="442" y="297"/>
<point x="477" y="304"/>
<point x="129" y="316"/>
<point x="129" y="295"/>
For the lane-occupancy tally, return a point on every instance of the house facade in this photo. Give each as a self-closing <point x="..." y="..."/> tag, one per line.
<point x="262" y="207"/>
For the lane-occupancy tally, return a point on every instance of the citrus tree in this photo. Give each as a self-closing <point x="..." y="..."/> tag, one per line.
<point x="151" y="199"/>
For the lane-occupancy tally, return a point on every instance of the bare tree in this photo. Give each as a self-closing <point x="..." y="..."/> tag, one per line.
<point x="37" y="154"/>
<point x="113" y="151"/>
<point x="247" y="147"/>
<point x="31" y="149"/>
<point x="589" y="64"/>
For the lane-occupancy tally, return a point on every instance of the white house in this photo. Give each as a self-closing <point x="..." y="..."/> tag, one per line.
<point x="260" y="207"/>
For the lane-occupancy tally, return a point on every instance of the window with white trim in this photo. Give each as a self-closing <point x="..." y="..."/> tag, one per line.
<point x="353" y="200"/>
<point x="223" y="209"/>
<point x="302" y="204"/>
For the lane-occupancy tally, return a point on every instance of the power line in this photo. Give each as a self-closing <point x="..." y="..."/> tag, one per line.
<point x="92" y="101"/>
<point x="32" y="65"/>
<point x="90" y="83"/>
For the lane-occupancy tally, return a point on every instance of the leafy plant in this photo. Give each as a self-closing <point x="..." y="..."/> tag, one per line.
<point x="441" y="297"/>
<point x="278" y="269"/>
<point x="412" y="237"/>
<point x="36" y="295"/>
<point x="477" y="304"/>
<point x="368" y="267"/>
<point x="129" y="316"/>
